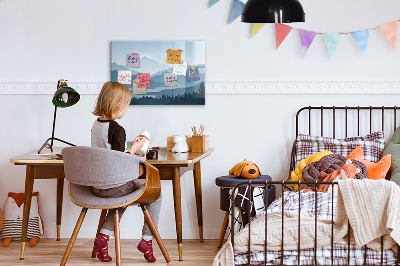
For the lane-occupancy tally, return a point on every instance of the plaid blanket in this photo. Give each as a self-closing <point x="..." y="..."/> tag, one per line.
<point x="323" y="205"/>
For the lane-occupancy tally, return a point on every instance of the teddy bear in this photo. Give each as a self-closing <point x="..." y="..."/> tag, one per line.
<point x="180" y="144"/>
<point x="13" y="215"/>
<point x="245" y="169"/>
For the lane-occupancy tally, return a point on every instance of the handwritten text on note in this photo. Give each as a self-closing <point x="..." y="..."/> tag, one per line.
<point x="174" y="56"/>
<point x="192" y="74"/>
<point x="144" y="80"/>
<point x="133" y="60"/>
<point x="170" y="79"/>
<point x="179" y="69"/>
<point x="124" y="76"/>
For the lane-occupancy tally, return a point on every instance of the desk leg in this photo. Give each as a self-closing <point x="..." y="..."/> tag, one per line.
<point x="199" y="204"/>
<point x="27" y="206"/>
<point x="176" y="182"/>
<point x="60" y="190"/>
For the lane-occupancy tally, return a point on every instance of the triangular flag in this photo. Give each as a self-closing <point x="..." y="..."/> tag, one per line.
<point x="390" y="32"/>
<point x="213" y="2"/>
<point x="306" y="39"/>
<point x="237" y="9"/>
<point x="256" y="27"/>
<point x="281" y="31"/>
<point x="361" y="37"/>
<point x="332" y="41"/>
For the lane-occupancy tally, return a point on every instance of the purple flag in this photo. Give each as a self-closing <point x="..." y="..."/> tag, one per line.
<point x="306" y="39"/>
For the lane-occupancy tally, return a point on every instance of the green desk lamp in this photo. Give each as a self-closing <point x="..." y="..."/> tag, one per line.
<point x="65" y="96"/>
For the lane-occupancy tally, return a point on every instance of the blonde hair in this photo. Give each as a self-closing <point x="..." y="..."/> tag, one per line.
<point x="112" y="99"/>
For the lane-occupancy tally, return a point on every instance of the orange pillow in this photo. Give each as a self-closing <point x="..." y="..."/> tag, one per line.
<point x="375" y="170"/>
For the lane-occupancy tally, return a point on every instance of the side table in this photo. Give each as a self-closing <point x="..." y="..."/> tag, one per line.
<point x="226" y="183"/>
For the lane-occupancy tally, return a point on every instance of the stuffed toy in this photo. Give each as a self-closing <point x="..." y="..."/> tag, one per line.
<point x="296" y="174"/>
<point x="180" y="144"/>
<point x="245" y="169"/>
<point x="348" y="170"/>
<point x="375" y="170"/>
<point x="13" y="215"/>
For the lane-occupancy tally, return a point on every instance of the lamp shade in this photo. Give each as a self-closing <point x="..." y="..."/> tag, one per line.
<point x="65" y="96"/>
<point x="273" y="11"/>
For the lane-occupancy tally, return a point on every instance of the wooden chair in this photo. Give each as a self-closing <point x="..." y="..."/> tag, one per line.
<point x="85" y="167"/>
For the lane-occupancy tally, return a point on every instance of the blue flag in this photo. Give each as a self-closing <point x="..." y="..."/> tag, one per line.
<point x="237" y="9"/>
<point x="361" y="38"/>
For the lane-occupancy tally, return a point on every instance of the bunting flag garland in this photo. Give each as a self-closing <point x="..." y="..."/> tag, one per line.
<point x="332" y="41"/>
<point x="306" y="39"/>
<point x="361" y="37"/>
<point x="389" y="30"/>
<point x="256" y="27"/>
<point x="213" y="2"/>
<point x="281" y="31"/>
<point x="237" y="9"/>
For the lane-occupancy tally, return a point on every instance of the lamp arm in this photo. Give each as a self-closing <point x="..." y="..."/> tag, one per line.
<point x="54" y="126"/>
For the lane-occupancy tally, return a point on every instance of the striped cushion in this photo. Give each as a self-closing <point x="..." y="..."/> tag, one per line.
<point x="372" y="145"/>
<point x="13" y="228"/>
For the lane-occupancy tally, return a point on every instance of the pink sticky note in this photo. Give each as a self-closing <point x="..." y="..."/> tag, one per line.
<point x="144" y="80"/>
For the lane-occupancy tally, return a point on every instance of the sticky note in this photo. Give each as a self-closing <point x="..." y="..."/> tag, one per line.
<point x="133" y="60"/>
<point x="192" y="75"/>
<point x="124" y="76"/>
<point x="170" y="79"/>
<point x="174" y="56"/>
<point x="179" y="69"/>
<point x="144" y="80"/>
<point x="137" y="90"/>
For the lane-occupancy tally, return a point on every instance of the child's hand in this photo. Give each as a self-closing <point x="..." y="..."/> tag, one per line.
<point x="143" y="155"/>
<point x="137" y="144"/>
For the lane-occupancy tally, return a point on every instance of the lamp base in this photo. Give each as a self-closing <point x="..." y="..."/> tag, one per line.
<point x="50" y="146"/>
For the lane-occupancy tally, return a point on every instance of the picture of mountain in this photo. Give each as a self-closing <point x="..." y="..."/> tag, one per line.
<point x="155" y="59"/>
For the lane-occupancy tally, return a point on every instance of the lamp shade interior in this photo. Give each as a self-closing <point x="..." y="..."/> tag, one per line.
<point x="273" y="11"/>
<point x="65" y="96"/>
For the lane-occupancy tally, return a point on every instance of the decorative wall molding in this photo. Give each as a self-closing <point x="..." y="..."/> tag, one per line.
<point x="233" y="87"/>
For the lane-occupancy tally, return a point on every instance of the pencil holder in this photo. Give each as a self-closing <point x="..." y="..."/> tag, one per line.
<point x="200" y="143"/>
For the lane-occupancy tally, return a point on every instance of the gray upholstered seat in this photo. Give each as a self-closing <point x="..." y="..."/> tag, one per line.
<point x="83" y="196"/>
<point x="85" y="167"/>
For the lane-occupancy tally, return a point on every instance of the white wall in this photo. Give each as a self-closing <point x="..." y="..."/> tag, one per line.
<point x="42" y="41"/>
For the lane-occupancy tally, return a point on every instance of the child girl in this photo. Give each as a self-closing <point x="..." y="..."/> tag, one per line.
<point x="112" y="104"/>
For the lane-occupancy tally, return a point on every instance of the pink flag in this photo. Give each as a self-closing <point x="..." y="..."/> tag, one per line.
<point x="306" y="39"/>
<point x="389" y="30"/>
<point x="281" y="31"/>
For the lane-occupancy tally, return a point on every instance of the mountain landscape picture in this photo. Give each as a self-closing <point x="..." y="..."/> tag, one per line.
<point x="160" y="72"/>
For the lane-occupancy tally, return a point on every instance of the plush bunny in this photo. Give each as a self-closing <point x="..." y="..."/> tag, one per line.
<point x="180" y="144"/>
<point x="245" y="169"/>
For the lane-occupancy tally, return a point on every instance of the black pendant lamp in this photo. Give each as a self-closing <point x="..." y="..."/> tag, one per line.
<point x="273" y="11"/>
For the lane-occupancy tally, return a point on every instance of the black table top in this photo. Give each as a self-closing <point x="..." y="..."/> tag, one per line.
<point x="230" y="181"/>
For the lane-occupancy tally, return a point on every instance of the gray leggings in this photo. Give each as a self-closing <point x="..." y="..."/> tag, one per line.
<point x="154" y="208"/>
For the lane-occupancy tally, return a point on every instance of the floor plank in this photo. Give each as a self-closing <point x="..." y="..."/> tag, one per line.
<point x="49" y="252"/>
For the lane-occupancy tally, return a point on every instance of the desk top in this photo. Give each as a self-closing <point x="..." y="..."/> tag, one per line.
<point x="164" y="157"/>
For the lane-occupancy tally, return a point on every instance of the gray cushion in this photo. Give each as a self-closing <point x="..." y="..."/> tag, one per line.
<point x="393" y="148"/>
<point x="83" y="195"/>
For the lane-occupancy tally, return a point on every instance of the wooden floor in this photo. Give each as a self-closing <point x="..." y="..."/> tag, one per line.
<point x="50" y="252"/>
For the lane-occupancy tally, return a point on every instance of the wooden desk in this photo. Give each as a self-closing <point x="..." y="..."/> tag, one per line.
<point x="171" y="167"/>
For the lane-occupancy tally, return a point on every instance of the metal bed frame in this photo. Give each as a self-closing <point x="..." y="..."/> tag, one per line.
<point x="283" y="184"/>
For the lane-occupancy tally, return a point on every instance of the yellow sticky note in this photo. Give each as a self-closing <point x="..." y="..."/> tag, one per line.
<point x="174" y="56"/>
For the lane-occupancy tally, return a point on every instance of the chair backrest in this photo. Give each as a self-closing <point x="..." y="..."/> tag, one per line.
<point x="92" y="166"/>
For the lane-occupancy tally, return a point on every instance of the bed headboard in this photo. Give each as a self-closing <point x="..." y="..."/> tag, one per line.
<point x="344" y="121"/>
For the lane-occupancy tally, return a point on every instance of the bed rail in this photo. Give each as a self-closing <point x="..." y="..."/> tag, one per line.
<point x="265" y="185"/>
